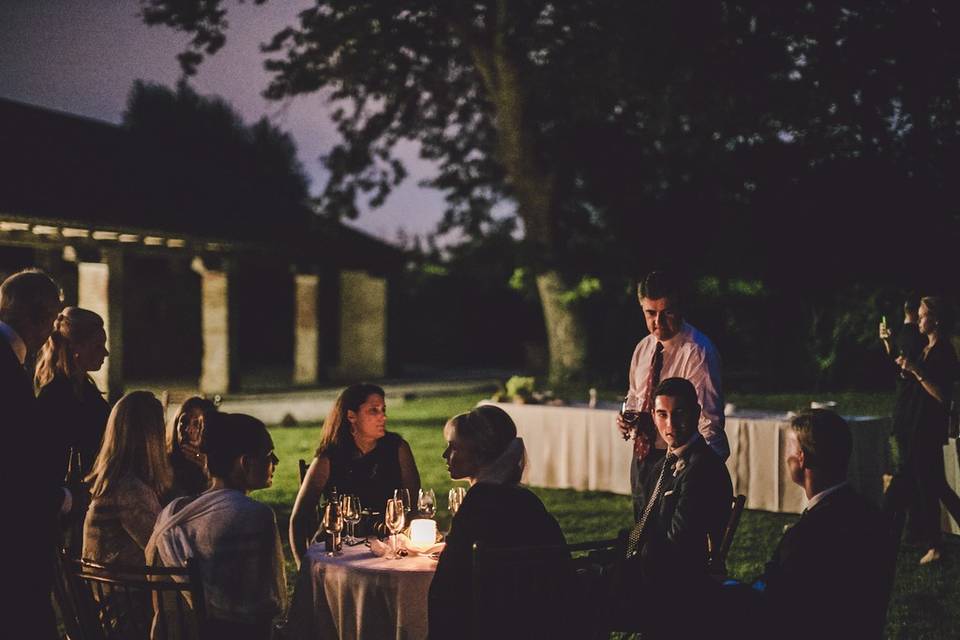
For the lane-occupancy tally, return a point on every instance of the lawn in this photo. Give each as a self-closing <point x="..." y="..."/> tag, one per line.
<point x="925" y="602"/>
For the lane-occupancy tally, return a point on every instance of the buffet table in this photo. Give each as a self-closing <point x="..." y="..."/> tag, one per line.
<point x="571" y="447"/>
<point x="360" y="595"/>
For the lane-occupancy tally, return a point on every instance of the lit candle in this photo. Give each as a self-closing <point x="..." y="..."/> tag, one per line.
<point x="423" y="532"/>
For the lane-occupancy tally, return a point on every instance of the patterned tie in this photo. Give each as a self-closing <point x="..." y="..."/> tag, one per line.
<point x="633" y="542"/>
<point x="645" y="434"/>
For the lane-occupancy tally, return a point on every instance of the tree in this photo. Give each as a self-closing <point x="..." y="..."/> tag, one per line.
<point x="198" y="165"/>
<point x="600" y="118"/>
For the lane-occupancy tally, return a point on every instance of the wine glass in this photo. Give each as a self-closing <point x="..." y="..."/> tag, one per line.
<point x="630" y="411"/>
<point x="454" y="499"/>
<point x="427" y="503"/>
<point x="394" y="521"/>
<point x="333" y="525"/>
<point x="404" y="496"/>
<point x="350" y="506"/>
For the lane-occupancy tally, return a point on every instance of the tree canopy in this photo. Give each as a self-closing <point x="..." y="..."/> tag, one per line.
<point x="200" y="167"/>
<point x="739" y="137"/>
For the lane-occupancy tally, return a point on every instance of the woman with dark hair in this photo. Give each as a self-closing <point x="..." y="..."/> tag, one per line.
<point x="68" y="398"/>
<point x="184" y="440"/>
<point x="232" y="537"/>
<point x="931" y="379"/>
<point x="357" y="455"/>
<point x="483" y="448"/>
<point x="130" y="474"/>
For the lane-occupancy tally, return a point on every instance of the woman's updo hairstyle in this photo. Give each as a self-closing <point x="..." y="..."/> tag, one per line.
<point x="488" y="431"/>
<point x="73" y="326"/>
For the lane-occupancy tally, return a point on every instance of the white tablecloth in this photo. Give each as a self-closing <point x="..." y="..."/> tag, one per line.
<point x="358" y="595"/>
<point x="581" y="448"/>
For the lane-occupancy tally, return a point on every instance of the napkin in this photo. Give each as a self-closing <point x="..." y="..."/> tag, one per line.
<point x="384" y="548"/>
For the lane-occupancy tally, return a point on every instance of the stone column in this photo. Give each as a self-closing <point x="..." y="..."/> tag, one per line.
<point x="100" y="289"/>
<point x="363" y="326"/>
<point x="306" y="329"/>
<point x="218" y="372"/>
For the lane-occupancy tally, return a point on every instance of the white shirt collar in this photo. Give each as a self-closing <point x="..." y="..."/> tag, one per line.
<point x="823" y="494"/>
<point x="16" y="342"/>
<point x="681" y="449"/>
<point x="679" y="336"/>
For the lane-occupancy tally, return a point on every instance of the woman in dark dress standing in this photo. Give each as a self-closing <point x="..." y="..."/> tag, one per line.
<point x="483" y="447"/>
<point x="932" y="377"/>
<point x="68" y="399"/>
<point x="357" y="455"/>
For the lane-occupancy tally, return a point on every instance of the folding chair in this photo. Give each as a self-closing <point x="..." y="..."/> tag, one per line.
<point x="113" y="602"/>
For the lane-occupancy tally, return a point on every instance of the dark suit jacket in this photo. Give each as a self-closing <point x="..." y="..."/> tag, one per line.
<point x="827" y="574"/>
<point x="695" y="504"/>
<point x="33" y="488"/>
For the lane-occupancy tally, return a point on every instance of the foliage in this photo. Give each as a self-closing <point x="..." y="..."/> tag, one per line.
<point x="521" y="387"/>
<point x="201" y="168"/>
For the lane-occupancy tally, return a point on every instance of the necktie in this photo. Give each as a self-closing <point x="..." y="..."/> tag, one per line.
<point x="645" y="434"/>
<point x="633" y="542"/>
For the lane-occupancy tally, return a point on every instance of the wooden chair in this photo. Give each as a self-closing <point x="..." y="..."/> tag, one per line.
<point x="718" y="557"/>
<point x="303" y="466"/>
<point x="526" y="592"/>
<point x="113" y="602"/>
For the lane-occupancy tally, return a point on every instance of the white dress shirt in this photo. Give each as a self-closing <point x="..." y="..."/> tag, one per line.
<point x="690" y="355"/>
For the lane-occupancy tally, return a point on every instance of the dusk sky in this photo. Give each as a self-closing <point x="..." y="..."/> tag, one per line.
<point x="82" y="57"/>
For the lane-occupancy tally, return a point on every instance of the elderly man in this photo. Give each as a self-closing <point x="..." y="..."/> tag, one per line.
<point x="29" y="304"/>
<point x="672" y="349"/>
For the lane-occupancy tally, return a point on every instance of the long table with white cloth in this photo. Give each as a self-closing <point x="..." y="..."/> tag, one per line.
<point x="576" y="447"/>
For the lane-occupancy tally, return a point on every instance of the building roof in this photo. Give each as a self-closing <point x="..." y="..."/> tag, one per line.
<point x="72" y="176"/>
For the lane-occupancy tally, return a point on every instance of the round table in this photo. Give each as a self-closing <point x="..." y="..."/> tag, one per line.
<point x="360" y="595"/>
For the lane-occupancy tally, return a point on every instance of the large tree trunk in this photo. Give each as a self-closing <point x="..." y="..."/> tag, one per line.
<point x="566" y="337"/>
<point x="534" y="187"/>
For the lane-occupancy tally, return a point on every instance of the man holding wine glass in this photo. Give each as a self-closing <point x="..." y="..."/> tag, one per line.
<point x="673" y="348"/>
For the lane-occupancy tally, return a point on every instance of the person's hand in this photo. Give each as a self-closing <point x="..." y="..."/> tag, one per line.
<point x="884" y="331"/>
<point x="908" y="366"/>
<point x="625" y="430"/>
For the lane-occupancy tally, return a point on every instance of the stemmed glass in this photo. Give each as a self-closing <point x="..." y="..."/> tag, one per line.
<point x="427" y="503"/>
<point x="394" y="521"/>
<point x="454" y="499"/>
<point x="350" y="506"/>
<point x="630" y="411"/>
<point x="333" y="525"/>
<point x="404" y="496"/>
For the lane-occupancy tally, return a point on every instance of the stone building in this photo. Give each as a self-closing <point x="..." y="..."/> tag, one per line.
<point x="229" y="304"/>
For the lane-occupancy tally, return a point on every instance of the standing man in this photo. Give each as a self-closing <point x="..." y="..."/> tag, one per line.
<point x="672" y="349"/>
<point x="29" y="304"/>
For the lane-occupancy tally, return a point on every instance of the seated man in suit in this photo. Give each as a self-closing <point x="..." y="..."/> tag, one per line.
<point x="687" y="498"/>
<point x="834" y="565"/>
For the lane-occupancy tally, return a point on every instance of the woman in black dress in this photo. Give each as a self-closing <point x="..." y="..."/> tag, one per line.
<point x="68" y="399"/>
<point x="357" y="455"/>
<point x="483" y="448"/>
<point x="931" y="385"/>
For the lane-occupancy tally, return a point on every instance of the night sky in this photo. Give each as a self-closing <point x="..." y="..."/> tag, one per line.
<point x="82" y="57"/>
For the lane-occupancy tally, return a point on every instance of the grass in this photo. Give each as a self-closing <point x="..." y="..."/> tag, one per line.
<point x="925" y="602"/>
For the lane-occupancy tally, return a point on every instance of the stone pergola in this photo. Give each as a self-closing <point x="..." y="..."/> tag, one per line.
<point x="338" y="277"/>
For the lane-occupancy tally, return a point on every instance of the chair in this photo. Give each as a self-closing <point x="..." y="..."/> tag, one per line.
<point x="112" y="602"/>
<point x="718" y="557"/>
<point x="555" y="590"/>
<point x="303" y="469"/>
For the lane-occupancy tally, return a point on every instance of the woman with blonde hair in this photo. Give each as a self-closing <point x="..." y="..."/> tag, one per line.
<point x="357" y="455"/>
<point x="68" y="399"/>
<point x="130" y="474"/>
